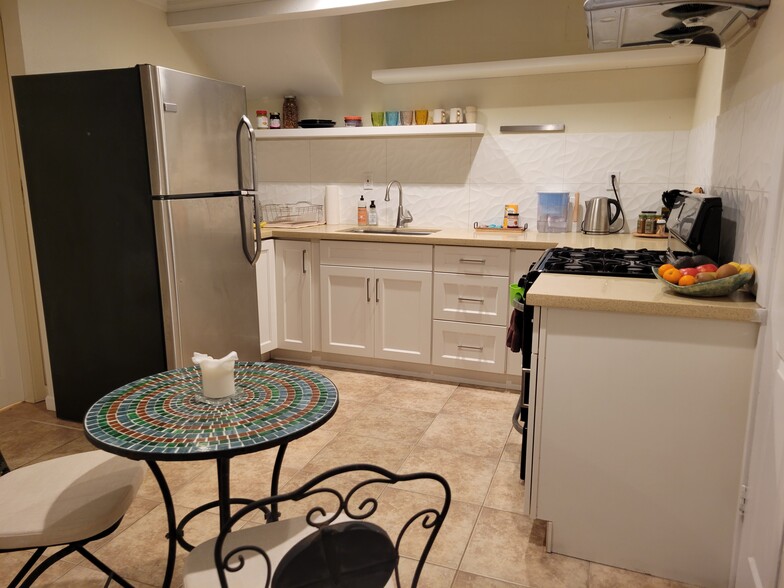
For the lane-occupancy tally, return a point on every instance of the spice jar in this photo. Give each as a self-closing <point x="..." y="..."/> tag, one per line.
<point x="290" y="112"/>
<point x="650" y="222"/>
<point x="274" y="120"/>
<point x="262" y="122"/>
<point x="641" y="224"/>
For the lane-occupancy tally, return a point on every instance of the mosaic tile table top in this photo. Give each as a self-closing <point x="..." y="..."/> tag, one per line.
<point x="165" y="416"/>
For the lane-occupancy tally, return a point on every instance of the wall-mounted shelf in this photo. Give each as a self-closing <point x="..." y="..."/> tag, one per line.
<point x="627" y="59"/>
<point x="365" y="132"/>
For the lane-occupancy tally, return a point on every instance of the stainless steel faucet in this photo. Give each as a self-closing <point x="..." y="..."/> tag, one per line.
<point x="403" y="216"/>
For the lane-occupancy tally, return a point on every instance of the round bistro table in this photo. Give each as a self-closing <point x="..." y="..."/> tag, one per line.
<point x="165" y="417"/>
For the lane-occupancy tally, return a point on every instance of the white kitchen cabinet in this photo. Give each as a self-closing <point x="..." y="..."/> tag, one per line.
<point x="265" y="286"/>
<point x="470" y="307"/>
<point x="520" y="264"/>
<point x="376" y="312"/>
<point x="639" y="439"/>
<point x="294" y="285"/>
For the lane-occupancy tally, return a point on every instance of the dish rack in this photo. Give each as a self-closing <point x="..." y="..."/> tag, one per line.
<point x="299" y="214"/>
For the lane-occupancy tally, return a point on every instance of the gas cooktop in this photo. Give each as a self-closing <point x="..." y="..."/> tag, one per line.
<point x="590" y="261"/>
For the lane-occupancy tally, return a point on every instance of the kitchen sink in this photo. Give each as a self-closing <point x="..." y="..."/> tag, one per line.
<point x="390" y="231"/>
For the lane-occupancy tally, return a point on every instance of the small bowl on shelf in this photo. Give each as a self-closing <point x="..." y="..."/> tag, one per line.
<point x="720" y="287"/>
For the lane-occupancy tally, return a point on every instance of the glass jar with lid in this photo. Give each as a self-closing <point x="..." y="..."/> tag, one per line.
<point x="290" y="112"/>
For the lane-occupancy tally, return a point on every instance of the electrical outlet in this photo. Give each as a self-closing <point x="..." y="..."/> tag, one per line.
<point x="368" y="185"/>
<point x="617" y="175"/>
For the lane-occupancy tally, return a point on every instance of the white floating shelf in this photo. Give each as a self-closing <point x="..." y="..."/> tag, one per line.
<point x="360" y="132"/>
<point x="627" y="59"/>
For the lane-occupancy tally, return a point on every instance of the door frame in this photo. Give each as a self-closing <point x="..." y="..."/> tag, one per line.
<point x="14" y="215"/>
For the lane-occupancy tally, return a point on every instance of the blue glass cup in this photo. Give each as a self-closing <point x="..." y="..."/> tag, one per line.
<point x="392" y="118"/>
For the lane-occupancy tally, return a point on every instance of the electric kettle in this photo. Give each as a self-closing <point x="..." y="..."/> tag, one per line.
<point x="598" y="217"/>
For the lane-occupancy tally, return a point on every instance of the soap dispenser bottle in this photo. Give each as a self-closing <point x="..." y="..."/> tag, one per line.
<point x="362" y="213"/>
<point x="372" y="214"/>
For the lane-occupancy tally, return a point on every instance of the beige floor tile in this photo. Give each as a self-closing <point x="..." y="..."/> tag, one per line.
<point x="601" y="576"/>
<point x="345" y="449"/>
<point x="416" y="395"/>
<point x="37" y="412"/>
<point x="357" y="386"/>
<point x="11" y="563"/>
<point x="383" y="422"/>
<point x="432" y="576"/>
<point x="346" y="412"/>
<point x="466" y="580"/>
<point x="24" y="444"/>
<point x="463" y="434"/>
<point x="176" y="473"/>
<point x="482" y="403"/>
<point x="302" y="450"/>
<point x="469" y="477"/>
<point x="139" y="553"/>
<point x="397" y="505"/>
<point x="78" y="445"/>
<point x="513" y="448"/>
<point x="87" y="577"/>
<point x="139" y="508"/>
<point x="507" y="490"/>
<point x="499" y="548"/>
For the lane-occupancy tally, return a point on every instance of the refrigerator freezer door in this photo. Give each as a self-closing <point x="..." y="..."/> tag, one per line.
<point x="194" y="127"/>
<point x="208" y="286"/>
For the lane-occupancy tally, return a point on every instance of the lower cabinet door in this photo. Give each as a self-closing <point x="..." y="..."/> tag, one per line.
<point x="469" y="346"/>
<point x="347" y="303"/>
<point x="403" y="315"/>
<point x="293" y="288"/>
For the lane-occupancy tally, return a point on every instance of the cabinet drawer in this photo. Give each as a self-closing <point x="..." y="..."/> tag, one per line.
<point x="475" y="299"/>
<point x="468" y="346"/>
<point x="484" y="261"/>
<point x="381" y="255"/>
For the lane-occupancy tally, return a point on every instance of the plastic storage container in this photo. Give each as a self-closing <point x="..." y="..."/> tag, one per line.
<point x="553" y="212"/>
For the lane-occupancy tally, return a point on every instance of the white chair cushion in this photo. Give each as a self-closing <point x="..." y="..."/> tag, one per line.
<point x="275" y="538"/>
<point x="66" y="499"/>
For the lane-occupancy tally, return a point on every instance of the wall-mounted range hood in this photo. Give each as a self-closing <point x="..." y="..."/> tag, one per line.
<point x="615" y="24"/>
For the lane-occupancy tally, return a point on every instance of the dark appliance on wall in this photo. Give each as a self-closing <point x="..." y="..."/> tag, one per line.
<point x="617" y="24"/>
<point x="141" y="185"/>
<point x="695" y="227"/>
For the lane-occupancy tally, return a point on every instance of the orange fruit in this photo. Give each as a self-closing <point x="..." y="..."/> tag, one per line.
<point x="664" y="268"/>
<point x="672" y="275"/>
<point x="687" y="281"/>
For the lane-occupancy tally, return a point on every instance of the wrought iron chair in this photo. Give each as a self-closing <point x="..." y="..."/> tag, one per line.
<point x="332" y="545"/>
<point x="64" y="502"/>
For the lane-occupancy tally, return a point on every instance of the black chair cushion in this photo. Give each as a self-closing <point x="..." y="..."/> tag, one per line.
<point x="353" y="554"/>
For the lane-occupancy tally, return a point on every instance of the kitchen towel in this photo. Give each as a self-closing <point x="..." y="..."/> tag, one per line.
<point x="332" y="205"/>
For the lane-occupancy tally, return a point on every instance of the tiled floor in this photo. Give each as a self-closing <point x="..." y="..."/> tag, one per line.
<point x="461" y="432"/>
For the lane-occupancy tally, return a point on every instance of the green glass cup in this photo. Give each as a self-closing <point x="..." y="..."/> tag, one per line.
<point x="377" y="118"/>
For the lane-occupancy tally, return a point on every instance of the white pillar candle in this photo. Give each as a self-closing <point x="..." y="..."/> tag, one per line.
<point x="217" y="375"/>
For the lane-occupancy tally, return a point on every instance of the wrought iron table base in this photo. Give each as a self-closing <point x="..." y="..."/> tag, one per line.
<point x="176" y="532"/>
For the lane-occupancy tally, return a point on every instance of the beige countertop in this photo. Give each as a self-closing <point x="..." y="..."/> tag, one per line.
<point x="629" y="295"/>
<point x="469" y="237"/>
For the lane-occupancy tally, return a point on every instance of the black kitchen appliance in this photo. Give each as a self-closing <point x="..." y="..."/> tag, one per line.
<point x="695" y="228"/>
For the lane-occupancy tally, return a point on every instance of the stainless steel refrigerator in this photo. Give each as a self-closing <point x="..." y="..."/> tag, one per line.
<point x="141" y="185"/>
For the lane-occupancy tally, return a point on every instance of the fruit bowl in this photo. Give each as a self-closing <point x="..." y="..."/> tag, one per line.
<point x="720" y="287"/>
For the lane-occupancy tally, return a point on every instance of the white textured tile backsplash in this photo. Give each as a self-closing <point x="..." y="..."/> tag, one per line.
<point x="456" y="181"/>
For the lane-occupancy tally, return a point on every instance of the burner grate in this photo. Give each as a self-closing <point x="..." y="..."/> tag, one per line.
<point x="601" y="262"/>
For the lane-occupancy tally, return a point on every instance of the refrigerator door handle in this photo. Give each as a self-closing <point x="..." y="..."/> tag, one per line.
<point x="257" y="228"/>
<point x="251" y="256"/>
<point x="246" y="126"/>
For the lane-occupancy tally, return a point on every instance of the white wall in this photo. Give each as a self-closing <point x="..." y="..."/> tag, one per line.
<point x="454" y="182"/>
<point x="93" y="34"/>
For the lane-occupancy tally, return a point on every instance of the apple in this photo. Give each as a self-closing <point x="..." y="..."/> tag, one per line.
<point x="706" y="269"/>
<point x="689" y="271"/>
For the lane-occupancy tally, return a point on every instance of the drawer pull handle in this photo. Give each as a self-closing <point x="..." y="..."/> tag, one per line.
<point x="477" y="300"/>
<point x="469" y="260"/>
<point x="377" y="289"/>
<point x="470" y="347"/>
<point x="367" y="288"/>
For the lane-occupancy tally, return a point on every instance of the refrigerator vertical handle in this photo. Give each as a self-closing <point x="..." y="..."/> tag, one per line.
<point x="251" y="256"/>
<point x="257" y="228"/>
<point x="246" y="126"/>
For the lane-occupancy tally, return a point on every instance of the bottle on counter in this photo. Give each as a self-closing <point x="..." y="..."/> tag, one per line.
<point x="290" y="112"/>
<point x="262" y="121"/>
<point x="372" y="214"/>
<point x="362" y="213"/>
<point x="274" y="120"/>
